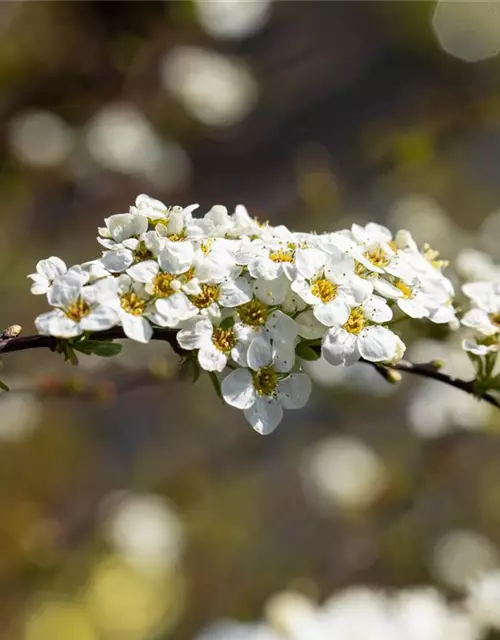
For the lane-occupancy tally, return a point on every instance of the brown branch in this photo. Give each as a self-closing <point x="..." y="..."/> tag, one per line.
<point x="22" y="343"/>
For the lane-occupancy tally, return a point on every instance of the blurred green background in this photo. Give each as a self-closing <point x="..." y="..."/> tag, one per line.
<point x="133" y="504"/>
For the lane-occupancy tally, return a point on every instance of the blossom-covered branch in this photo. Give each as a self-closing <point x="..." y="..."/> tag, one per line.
<point x="230" y="293"/>
<point x="425" y="370"/>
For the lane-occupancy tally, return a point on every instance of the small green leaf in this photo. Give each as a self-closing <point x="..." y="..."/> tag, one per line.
<point x="227" y="323"/>
<point x="304" y="351"/>
<point x="3" y="386"/>
<point x="216" y="384"/>
<point x="99" y="348"/>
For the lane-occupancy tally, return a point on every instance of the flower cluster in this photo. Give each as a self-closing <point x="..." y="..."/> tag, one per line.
<point x="360" y="612"/>
<point x="252" y="298"/>
<point x="484" y="317"/>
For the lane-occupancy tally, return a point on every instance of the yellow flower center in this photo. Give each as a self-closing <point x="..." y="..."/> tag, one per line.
<point x="206" y="246"/>
<point x="177" y="237"/>
<point x="253" y="313"/>
<point x="265" y="381"/>
<point x="377" y="257"/>
<point x="209" y="294"/>
<point x="324" y="290"/>
<point x="142" y="253"/>
<point x="162" y="285"/>
<point x="431" y="255"/>
<point x="356" y="321"/>
<point x="404" y="288"/>
<point x="224" y="339"/>
<point x="360" y="270"/>
<point x="131" y="303"/>
<point x="78" y="310"/>
<point x="281" y="256"/>
<point x="495" y="319"/>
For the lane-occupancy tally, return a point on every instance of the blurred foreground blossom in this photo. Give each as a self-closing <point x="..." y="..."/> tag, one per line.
<point x="357" y="613"/>
<point x="217" y="90"/>
<point x="232" y="19"/>
<point x="484" y="599"/>
<point x="344" y="472"/>
<point x="144" y="528"/>
<point x="121" y="138"/>
<point x="129" y="604"/>
<point x="468" y="30"/>
<point x="55" y="619"/>
<point x="21" y="414"/>
<point x="461" y="555"/>
<point x="477" y="266"/>
<point x="40" y="138"/>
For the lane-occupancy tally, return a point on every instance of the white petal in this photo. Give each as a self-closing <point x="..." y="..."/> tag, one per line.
<point x="281" y="326"/>
<point x="377" y="309"/>
<point x="283" y="355"/>
<point x="177" y="257"/>
<point x="235" y="292"/>
<point x="478" y="319"/>
<point x="136" y="327"/>
<point x="308" y="326"/>
<point x="125" y="225"/>
<point x="51" y="268"/>
<point x="309" y="261"/>
<point x="340" y="347"/>
<point x="264" y="415"/>
<point x="332" y="314"/>
<point x="294" y="391"/>
<point x="144" y="271"/>
<point x="210" y="358"/>
<point x="303" y="289"/>
<point x="478" y="349"/>
<point x="259" y="353"/>
<point x="196" y="331"/>
<point x="55" y="323"/>
<point x="174" y="309"/>
<point x="117" y="261"/>
<point x="377" y="344"/>
<point x="238" y="390"/>
<point x="100" y="318"/>
<point x="263" y="267"/>
<point x="40" y="284"/>
<point x="64" y="291"/>
<point x="272" y="291"/>
<point x="412" y="308"/>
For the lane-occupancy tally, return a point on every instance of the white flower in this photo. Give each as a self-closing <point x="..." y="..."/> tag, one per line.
<point x="485" y="318"/>
<point x="46" y="272"/>
<point x="214" y="344"/>
<point x="121" y="227"/>
<point x="77" y="309"/>
<point x="332" y="291"/>
<point x="359" y="338"/>
<point x="263" y="390"/>
<point x="133" y="307"/>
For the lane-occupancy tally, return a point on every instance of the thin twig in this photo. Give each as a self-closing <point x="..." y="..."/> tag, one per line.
<point x="23" y="343"/>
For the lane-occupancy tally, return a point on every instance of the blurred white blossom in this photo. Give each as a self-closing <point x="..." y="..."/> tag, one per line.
<point x="232" y="19"/>
<point x="40" y="138"/>
<point x="21" y="414"/>
<point x="343" y="471"/>
<point x="468" y="30"/>
<point x="217" y="90"/>
<point x="143" y="528"/>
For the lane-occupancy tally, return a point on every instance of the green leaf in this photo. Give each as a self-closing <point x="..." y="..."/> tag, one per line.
<point x="3" y="386"/>
<point x="304" y="351"/>
<point x="190" y="367"/>
<point x="227" y="323"/>
<point x="216" y="384"/>
<point x="99" y="348"/>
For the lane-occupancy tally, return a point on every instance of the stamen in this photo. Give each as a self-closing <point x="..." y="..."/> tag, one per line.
<point x="265" y="381"/>
<point x="162" y="285"/>
<point x="377" y="257"/>
<point x="224" y="339"/>
<point x="356" y="321"/>
<point x="209" y="294"/>
<point x="324" y="290"/>
<point x="131" y="303"/>
<point x="253" y="313"/>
